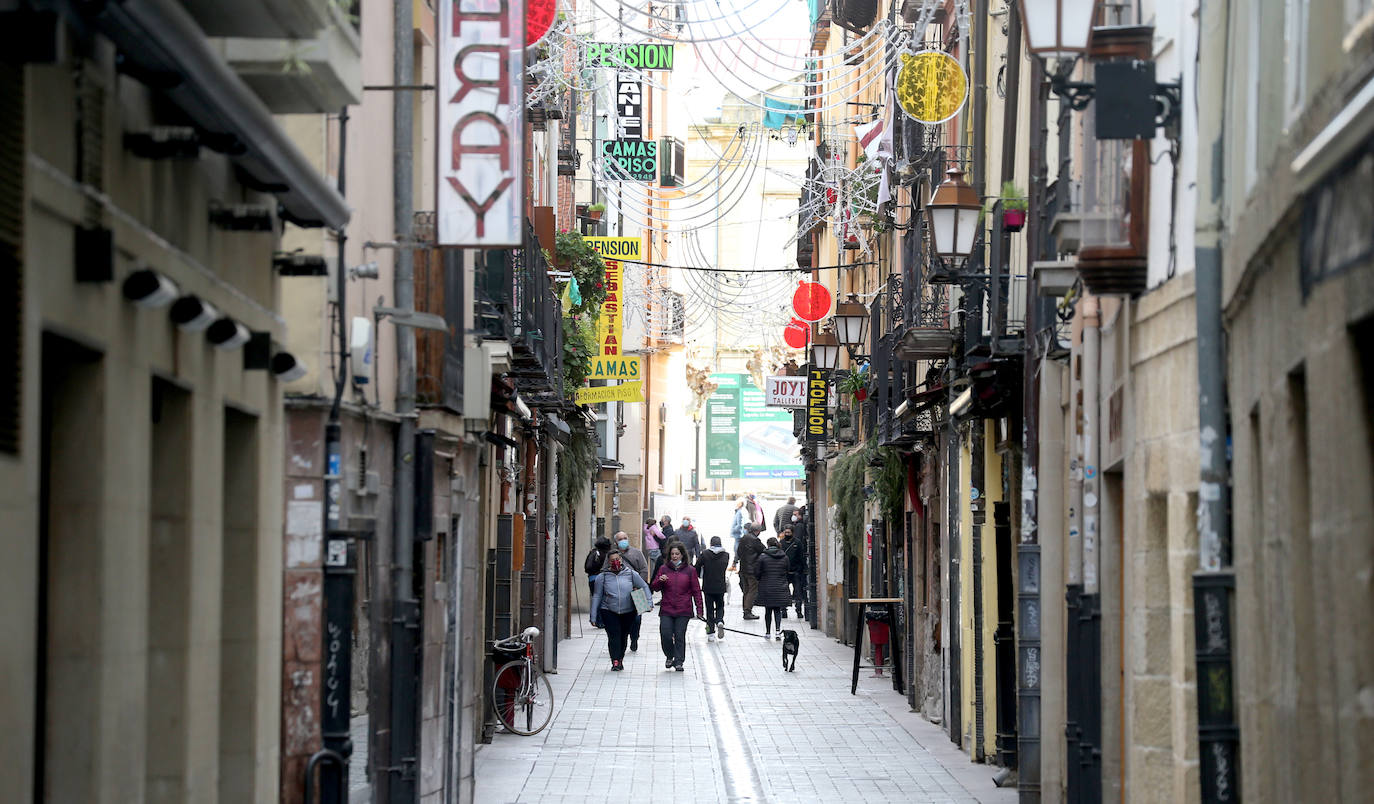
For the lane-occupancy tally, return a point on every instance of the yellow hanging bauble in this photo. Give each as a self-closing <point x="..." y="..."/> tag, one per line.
<point x="931" y="86"/>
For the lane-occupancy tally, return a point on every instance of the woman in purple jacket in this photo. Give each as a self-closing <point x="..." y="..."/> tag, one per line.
<point x="681" y="589"/>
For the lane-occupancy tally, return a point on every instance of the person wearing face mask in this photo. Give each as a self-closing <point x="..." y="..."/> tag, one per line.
<point x="613" y="604"/>
<point x="690" y="538"/>
<point x="796" y="565"/>
<point x="711" y="566"/>
<point x="635" y="558"/>
<point x="681" y="588"/>
<point x="782" y="517"/>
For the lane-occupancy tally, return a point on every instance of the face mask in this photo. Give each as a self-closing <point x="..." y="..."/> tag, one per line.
<point x="624" y="544"/>
<point x="677" y="563"/>
<point x="796" y="519"/>
<point x="615" y="566"/>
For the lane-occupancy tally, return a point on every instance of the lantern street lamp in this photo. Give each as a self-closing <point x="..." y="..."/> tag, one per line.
<point x="954" y="212"/>
<point x="1057" y="29"/>
<point x="825" y="351"/>
<point x="851" y="324"/>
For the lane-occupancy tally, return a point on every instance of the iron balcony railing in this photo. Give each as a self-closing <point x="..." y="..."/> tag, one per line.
<point x="516" y="303"/>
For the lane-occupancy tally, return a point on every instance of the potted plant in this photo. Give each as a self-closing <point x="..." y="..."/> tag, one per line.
<point x="1013" y="207"/>
<point x="857" y="384"/>
<point x="594" y="211"/>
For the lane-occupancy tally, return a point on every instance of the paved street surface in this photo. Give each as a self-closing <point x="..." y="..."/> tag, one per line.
<point x="733" y="727"/>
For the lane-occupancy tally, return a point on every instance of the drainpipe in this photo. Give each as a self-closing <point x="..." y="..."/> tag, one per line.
<point x="1090" y="614"/>
<point x="405" y="609"/>
<point x="1214" y="582"/>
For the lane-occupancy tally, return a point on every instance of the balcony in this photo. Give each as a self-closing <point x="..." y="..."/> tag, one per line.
<point x="264" y="19"/>
<point x="516" y="303"/>
<point x="319" y="72"/>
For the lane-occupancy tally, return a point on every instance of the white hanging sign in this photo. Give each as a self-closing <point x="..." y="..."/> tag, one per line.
<point x="481" y="122"/>
<point x="785" y="392"/>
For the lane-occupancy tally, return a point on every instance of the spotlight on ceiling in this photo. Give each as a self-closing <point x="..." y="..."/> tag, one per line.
<point x="226" y="333"/>
<point x="192" y="314"/>
<point x="150" y="289"/>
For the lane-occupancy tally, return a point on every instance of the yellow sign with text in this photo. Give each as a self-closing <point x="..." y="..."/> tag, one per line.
<point x="615" y="368"/>
<point x="610" y="322"/>
<point x="625" y="392"/>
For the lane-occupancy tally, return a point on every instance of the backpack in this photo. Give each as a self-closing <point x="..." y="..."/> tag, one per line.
<point x="592" y="566"/>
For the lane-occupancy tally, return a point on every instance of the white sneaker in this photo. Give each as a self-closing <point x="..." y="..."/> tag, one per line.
<point x="710" y="637"/>
<point x="778" y="638"/>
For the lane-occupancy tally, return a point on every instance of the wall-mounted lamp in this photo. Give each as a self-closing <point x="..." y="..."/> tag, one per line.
<point x="954" y="212"/>
<point x="411" y="318"/>
<point x="150" y="289"/>
<point x="851" y="325"/>
<point x="226" y="333"/>
<point x="191" y="313"/>
<point x="825" y="351"/>
<point x="286" y="368"/>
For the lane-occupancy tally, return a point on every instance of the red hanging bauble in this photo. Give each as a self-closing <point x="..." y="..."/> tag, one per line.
<point x="539" y="16"/>
<point x="811" y="301"/>
<point x="797" y="334"/>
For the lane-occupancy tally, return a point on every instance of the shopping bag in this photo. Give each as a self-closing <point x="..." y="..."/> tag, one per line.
<point x="641" y="600"/>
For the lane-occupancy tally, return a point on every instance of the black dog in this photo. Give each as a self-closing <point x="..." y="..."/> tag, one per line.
<point x="790" y="643"/>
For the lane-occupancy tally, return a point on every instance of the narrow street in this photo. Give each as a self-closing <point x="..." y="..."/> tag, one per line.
<point x="733" y="727"/>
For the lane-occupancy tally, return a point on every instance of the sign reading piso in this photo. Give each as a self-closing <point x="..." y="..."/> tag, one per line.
<point x="481" y="122"/>
<point x="817" y="395"/>
<point x="624" y="392"/>
<point x="636" y="159"/>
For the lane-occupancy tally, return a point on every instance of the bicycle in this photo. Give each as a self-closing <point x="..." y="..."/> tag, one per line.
<point x="521" y="696"/>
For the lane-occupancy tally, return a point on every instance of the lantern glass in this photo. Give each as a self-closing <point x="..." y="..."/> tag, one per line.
<point x="851" y="322"/>
<point x="954" y="211"/>
<point x="1057" y="29"/>
<point x="942" y="223"/>
<point x="825" y="351"/>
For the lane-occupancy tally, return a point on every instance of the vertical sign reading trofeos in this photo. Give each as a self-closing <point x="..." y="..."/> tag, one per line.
<point x="817" y="397"/>
<point x="481" y="122"/>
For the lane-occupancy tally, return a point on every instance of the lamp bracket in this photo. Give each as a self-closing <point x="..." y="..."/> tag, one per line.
<point x="1168" y="99"/>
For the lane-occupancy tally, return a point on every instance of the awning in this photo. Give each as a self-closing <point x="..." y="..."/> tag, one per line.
<point x="162" y="44"/>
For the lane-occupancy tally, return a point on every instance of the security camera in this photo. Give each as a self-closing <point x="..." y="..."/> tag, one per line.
<point x="226" y="333"/>
<point x="286" y="368"/>
<point x="150" y="289"/>
<point x="193" y="314"/>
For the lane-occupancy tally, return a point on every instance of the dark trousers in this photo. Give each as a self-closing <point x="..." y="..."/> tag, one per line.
<point x="750" y="585"/>
<point x="618" y="625"/>
<point x="715" y="610"/>
<point x="772" y="616"/>
<point x="634" y="628"/>
<point x="798" y="592"/>
<point x="672" y="631"/>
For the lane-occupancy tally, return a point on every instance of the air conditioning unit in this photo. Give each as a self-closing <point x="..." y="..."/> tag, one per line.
<point x="672" y="162"/>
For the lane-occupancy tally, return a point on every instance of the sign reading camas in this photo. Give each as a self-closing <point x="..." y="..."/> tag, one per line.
<point x="481" y="122"/>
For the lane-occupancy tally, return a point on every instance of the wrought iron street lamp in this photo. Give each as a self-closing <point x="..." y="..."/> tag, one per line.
<point x="851" y="324"/>
<point x="825" y="351"/>
<point x="954" y="212"/>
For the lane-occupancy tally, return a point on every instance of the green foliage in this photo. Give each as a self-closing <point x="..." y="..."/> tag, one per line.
<point x="854" y="382"/>
<point x="579" y="348"/>
<point x="597" y="207"/>
<point x="576" y="462"/>
<point x="847" y="480"/>
<point x="575" y="255"/>
<point x="1013" y="198"/>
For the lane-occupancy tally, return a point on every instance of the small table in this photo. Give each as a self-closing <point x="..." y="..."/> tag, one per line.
<point x="894" y="640"/>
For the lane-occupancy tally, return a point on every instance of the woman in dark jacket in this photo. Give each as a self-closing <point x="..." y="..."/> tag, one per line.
<point x="772" y="569"/>
<point x="678" y="582"/>
<point x="711" y="565"/>
<point x="613" y="604"/>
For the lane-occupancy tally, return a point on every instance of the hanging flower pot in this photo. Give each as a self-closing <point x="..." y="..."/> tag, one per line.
<point x="1013" y="207"/>
<point x="1013" y="220"/>
<point x="595" y="211"/>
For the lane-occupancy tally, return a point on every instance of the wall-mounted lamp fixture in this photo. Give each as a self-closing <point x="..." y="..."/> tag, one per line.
<point x="296" y="264"/>
<point x="286" y="368"/>
<point x="368" y="270"/>
<point x="226" y="333"/>
<point x="191" y="313"/>
<point x="150" y="289"/>
<point x="411" y="318"/>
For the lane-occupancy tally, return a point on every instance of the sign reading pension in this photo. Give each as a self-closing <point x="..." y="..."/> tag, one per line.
<point x="481" y="122"/>
<point x="610" y="323"/>
<point x="634" y="159"/>
<point x="744" y="437"/>
<point x="624" y="392"/>
<point x="644" y="56"/>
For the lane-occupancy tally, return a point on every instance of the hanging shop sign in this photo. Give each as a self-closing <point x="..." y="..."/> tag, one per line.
<point x="610" y="321"/>
<point x="931" y="86"/>
<point x="784" y="392"/>
<point x="817" y="395"/>
<point x="797" y="334"/>
<point x="539" y="16"/>
<point x="629" y="106"/>
<point x="481" y="124"/>
<point x="643" y="56"/>
<point x="811" y="301"/>
<point x="744" y="437"/>
<point x="624" y="392"/>
<point x="635" y="159"/>
<point x="615" y="368"/>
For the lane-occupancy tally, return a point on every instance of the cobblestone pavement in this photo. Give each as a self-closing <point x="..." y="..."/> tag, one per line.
<point x="733" y="727"/>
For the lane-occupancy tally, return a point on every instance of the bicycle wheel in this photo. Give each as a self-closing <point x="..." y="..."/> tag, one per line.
<point x="523" y="705"/>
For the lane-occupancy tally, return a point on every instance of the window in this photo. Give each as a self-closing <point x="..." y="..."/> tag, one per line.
<point x="1295" y="59"/>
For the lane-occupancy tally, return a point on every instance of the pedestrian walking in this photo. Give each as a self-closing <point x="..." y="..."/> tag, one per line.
<point x="690" y="538"/>
<point x="711" y="567"/>
<point x="635" y="558"/>
<point x="653" y="539"/>
<point x="613" y="604"/>
<point x="754" y="510"/>
<point x="750" y="547"/>
<point x="772" y="571"/>
<point x="665" y="524"/>
<point x="681" y="589"/>
<point x="737" y="524"/>
<point x="783" y="516"/>
<point x="663" y="556"/>
<point x="595" y="560"/>
<point x="795" y="551"/>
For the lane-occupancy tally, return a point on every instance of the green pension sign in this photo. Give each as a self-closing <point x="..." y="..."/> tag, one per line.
<point x="644" y="56"/>
<point x="636" y="159"/>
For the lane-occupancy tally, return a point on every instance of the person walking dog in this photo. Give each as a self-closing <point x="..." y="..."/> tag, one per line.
<point x="711" y="566"/>
<point x="613" y="605"/>
<point x="681" y="588"/>
<point x="771" y="569"/>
